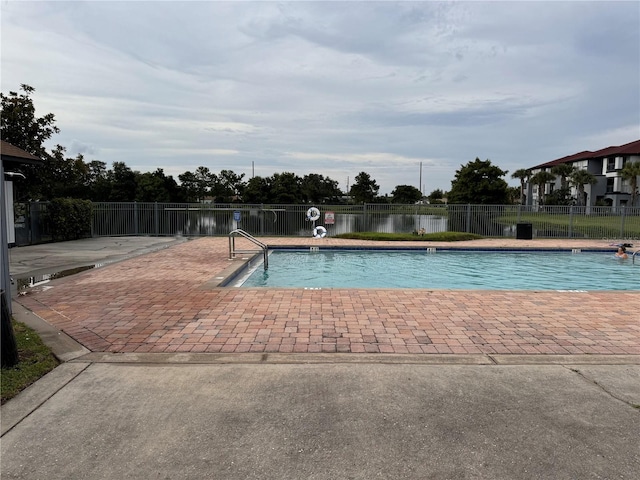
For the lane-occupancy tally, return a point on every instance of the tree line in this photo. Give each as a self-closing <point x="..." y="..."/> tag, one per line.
<point x="61" y="176"/>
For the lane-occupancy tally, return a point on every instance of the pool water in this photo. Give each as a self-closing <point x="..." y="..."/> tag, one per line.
<point x="484" y="270"/>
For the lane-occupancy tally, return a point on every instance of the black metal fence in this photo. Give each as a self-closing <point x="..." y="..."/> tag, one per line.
<point x="170" y="219"/>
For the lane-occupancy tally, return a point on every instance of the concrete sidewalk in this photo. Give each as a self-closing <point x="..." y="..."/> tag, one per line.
<point x="107" y="415"/>
<point x="261" y="417"/>
<point x="56" y="257"/>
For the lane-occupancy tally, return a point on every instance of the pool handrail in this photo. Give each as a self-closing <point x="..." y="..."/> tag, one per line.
<point x="232" y="245"/>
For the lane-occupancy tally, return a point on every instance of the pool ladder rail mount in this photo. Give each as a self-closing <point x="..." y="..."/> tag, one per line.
<point x="232" y="245"/>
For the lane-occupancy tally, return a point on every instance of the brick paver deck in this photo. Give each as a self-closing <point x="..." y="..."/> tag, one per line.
<point x="164" y="302"/>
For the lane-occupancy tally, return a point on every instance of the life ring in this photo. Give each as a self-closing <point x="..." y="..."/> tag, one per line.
<point x="313" y="214"/>
<point x="319" y="232"/>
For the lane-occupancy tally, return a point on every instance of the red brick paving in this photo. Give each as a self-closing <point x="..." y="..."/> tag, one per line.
<point x="159" y="303"/>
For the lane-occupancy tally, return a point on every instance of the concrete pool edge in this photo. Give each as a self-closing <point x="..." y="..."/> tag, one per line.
<point x="439" y="247"/>
<point x="237" y="266"/>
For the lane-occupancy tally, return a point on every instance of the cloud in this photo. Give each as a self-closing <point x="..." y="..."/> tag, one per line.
<point x="79" y="148"/>
<point x="380" y="159"/>
<point x="329" y="87"/>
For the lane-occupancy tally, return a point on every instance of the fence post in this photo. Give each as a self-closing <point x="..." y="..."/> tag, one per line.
<point x="35" y="223"/>
<point x="155" y="218"/>
<point x="93" y="219"/>
<point x="571" y="221"/>
<point x="624" y="208"/>
<point x="135" y="218"/>
<point x="468" y="229"/>
<point x="364" y="215"/>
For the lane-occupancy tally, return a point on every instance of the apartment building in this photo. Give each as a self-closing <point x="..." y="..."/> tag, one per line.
<point x="605" y="164"/>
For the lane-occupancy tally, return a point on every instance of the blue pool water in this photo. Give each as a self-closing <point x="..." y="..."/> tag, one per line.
<point x="484" y="270"/>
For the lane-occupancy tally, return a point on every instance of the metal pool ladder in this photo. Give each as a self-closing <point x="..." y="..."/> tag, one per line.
<point x="252" y="239"/>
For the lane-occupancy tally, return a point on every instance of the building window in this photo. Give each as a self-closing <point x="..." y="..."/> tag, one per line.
<point x="625" y="186"/>
<point x="611" y="164"/>
<point x="610" y="185"/>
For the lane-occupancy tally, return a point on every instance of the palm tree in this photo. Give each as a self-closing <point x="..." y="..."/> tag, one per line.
<point x="564" y="171"/>
<point x="523" y="175"/>
<point x="580" y="178"/>
<point x="631" y="172"/>
<point x="541" y="179"/>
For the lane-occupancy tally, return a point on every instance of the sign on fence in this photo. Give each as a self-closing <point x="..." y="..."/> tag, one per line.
<point x="329" y="218"/>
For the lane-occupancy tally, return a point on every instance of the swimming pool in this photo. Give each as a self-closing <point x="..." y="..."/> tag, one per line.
<point x="448" y="269"/>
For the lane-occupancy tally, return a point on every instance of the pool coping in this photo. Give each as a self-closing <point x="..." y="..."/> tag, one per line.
<point x="435" y="248"/>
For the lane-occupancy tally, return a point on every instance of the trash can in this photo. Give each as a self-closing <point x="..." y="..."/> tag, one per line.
<point x="524" y="231"/>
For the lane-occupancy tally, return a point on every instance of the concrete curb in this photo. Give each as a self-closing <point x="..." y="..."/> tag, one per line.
<point x="30" y="399"/>
<point x="355" y="358"/>
<point x="62" y="345"/>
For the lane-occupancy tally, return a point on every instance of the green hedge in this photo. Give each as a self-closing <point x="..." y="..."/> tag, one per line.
<point x="69" y="218"/>
<point x="408" y="237"/>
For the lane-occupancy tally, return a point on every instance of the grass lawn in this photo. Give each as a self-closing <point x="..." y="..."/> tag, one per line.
<point x="35" y="360"/>
<point x="591" y="225"/>
<point x="405" y="237"/>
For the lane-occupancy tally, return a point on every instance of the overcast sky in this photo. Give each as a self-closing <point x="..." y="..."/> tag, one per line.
<point x="333" y="88"/>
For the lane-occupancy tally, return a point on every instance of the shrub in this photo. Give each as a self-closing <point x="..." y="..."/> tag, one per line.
<point x="69" y="218"/>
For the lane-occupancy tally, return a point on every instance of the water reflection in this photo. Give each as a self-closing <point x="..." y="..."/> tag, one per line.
<point x="36" y="280"/>
<point x="383" y="224"/>
<point x="277" y="223"/>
